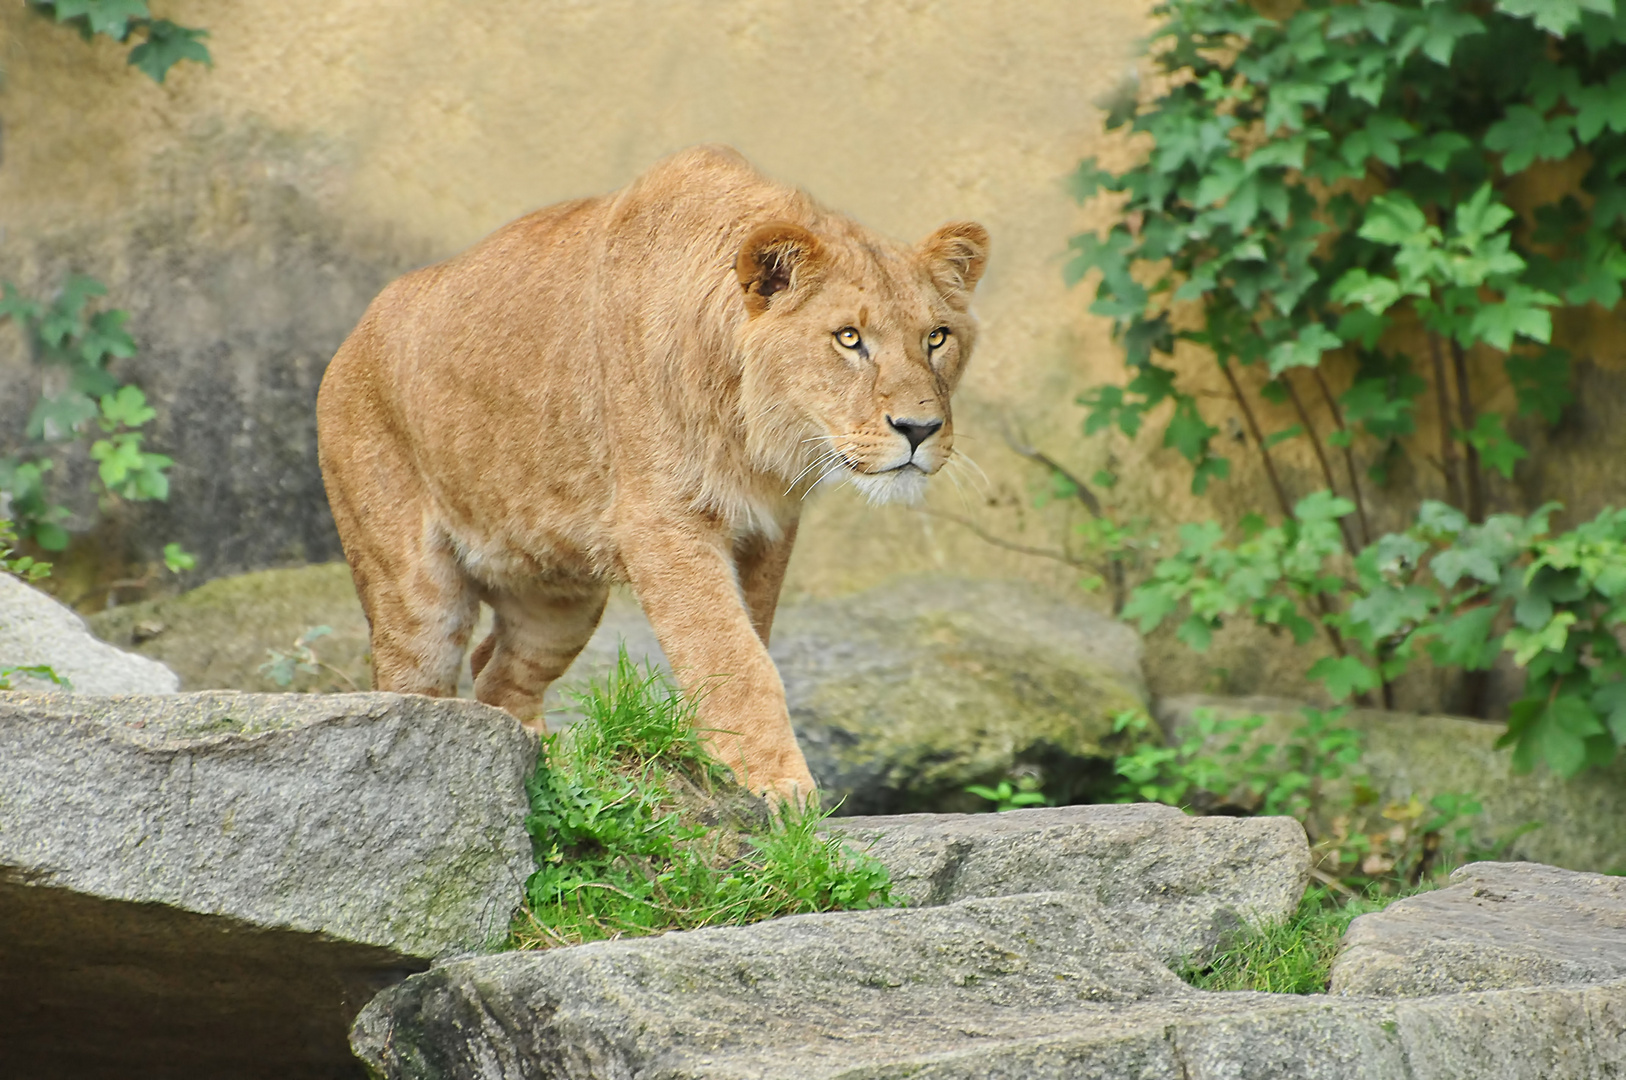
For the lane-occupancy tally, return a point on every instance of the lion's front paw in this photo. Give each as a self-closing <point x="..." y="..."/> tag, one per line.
<point x="797" y="790"/>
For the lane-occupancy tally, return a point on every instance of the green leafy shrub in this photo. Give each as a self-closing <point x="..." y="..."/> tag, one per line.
<point x="637" y="831"/>
<point x="1313" y="773"/>
<point x="1457" y="592"/>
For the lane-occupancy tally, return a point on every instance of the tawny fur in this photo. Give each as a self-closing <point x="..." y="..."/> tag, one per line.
<point x="636" y="388"/>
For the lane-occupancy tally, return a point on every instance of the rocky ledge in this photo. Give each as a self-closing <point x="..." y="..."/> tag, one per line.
<point x="1039" y="986"/>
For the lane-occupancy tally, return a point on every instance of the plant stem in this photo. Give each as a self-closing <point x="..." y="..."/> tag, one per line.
<point x="1320" y="456"/>
<point x="1114" y="568"/>
<point x="1465" y="408"/>
<point x="1448" y="446"/>
<point x="1349" y="454"/>
<point x="1258" y="440"/>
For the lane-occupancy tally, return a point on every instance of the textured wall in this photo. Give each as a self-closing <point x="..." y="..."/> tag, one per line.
<point x="247" y="214"/>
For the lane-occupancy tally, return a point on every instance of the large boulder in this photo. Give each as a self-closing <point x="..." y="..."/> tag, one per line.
<point x="218" y="881"/>
<point x="1040" y="986"/>
<point x="1581" y="820"/>
<point x="1177" y="884"/>
<point x="901" y="696"/>
<point x="1497" y="925"/>
<point x="37" y="630"/>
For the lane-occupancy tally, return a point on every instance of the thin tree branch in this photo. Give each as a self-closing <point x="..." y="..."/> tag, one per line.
<point x="1465" y="409"/>
<point x="1321" y="458"/>
<point x="1448" y="446"/>
<point x="1349" y="453"/>
<point x="1022" y="448"/>
<point x="1000" y="541"/>
<point x="1258" y="439"/>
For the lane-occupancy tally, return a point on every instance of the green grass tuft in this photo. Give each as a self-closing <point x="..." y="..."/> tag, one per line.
<point x="637" y="830"/>
<point x="1292" y="957"/>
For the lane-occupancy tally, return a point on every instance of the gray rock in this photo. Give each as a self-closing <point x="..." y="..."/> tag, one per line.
<point x="1176" y="884"/>
<point x="904" y="694"/>
<point x="1037" y="987"/>
<point x="1498" y="926"/>
<point x="204" y="865"/>
<point x="36" y="629"/>
<point x="1582" y="819"/>
<point x="901" y="696"/>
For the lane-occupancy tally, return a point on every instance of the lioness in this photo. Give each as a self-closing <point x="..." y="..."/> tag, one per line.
<point x="637" y="388"/>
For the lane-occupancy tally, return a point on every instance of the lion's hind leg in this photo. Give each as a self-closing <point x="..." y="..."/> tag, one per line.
<point x="534" y="637"/>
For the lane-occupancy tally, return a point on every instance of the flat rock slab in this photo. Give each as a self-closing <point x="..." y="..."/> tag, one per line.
<point x="1034" y="987"/>
<point x="36" y="629"/>
<point x="1176" y="883"/>
<point x="1497" y="925"/>
<point x="294" y="852"/>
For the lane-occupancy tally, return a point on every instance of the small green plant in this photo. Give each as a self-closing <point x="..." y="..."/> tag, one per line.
<point x="638" y="831"/>
<point x="42" y="672"/>
<point x="1291" y="957"/>
<point x="75" y="347"/>
<point x="284" y="666"/>
<point x="1006" y="797"/>
<point x="163" y="44"/>
<point x="22" y="566"/>
<point x="1226" y="765"/>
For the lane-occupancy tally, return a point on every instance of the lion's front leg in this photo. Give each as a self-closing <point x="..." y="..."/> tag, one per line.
<point x="685" y="581"/>
<point x="761" y="563"/>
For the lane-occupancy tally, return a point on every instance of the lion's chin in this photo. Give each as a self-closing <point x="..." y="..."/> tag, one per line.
<point x="906" y="485"/>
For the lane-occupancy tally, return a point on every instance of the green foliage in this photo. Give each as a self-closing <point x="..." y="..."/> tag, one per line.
<point x="42" y="672"/>
<point x="1005" y="796"/>
<point x="1319" y="178"/>
<point x="1227" y="765"/>
<point x="76" y="346"/>
<point x="1291" y="957"/>
<point x="283" y="667"/>
<point x="637" y="830"/>
<point x="1458" y="592"/>
<point x="163" y="44"/>
<point x="22" y="566"/>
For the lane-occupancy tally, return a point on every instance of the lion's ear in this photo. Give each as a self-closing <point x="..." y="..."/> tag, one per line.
<point x="776" y="257"/>
<point x="955" y="256"/>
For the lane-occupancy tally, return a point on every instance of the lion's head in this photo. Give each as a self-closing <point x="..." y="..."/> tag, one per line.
<point x="852" y="350"/>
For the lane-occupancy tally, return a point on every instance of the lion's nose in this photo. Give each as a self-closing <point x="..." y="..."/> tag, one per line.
<point x="916" y="431"/>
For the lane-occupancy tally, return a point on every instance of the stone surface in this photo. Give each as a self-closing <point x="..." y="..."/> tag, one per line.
<point x="901" y="695"/>
<point x="1582" y="819"/>
<point x="1497" y="925"/>
<point x="212" y="884"/>
<point x="1175" y="884"/>
<point x="1036" y="987"/>
<point x="36" y="629"/>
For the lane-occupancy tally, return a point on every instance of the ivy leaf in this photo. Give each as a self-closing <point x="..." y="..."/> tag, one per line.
<point x="1600" y="106"/>
<point x="1609" y="701"/>
<point x="1496" y="447"/>
<point x="1437" y="150"/>
<point x="1380" y="138"/>
<point x="1188" y="432"/>
<point x="1556" y="17"/>
<point x="1541" y="383"/>
<point x="1481" y="215"/>
<point x="1212" y="467"/>
<point x="110" y="17"/>
<point x="1562" y="731"/>
<point x="1277" y="438"/>
<point x="1393" y="219"/>
<point x="1343" y="676"/>
<point x="1524" y="135"/>
<point x="1305" y="350"/>
<point x="1523" y="312"/>
<point x="1374" y="292"/>
<point x="127" y="407"/>
<point x="58" y="416"/>
<point x="1465" y="641"/>
<point x="14" y="305"/>
<point x="167" y="45"/>
<point x="1088" y="179"/>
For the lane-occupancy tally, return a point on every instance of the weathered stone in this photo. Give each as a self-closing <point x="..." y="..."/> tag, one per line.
<point x="901" y="696"/>
<point x="1036" y="987"/>
<point x="198" y="866"/>
<point x="1176" y="884"/>
<point x="35" y="629"/>
<point x="1498" y="926"/>
<point x="1582" y="819"/>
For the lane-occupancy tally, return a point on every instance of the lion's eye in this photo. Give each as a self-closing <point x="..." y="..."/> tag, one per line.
<point x="849" y="338"/>
<point x="935" y="339"/>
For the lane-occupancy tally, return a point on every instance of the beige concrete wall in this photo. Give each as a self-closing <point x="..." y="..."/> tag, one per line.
<point x="337" y="142"/>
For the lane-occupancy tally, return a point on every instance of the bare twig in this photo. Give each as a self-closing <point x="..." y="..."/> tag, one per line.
<point x="1465" y="409"/>
<point x="1022" y="448"/>
<point x="1320" y="455"/>
<point x="1448" y="447"/>
<point x="1349" y="453"/>
<point x="1000" y="541"/>
<point x="1258" y="439"/>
